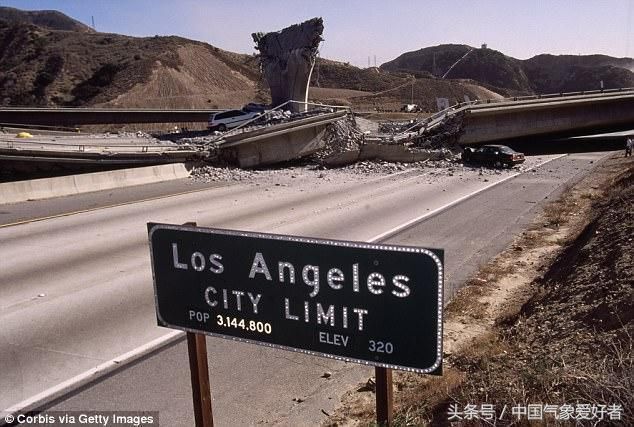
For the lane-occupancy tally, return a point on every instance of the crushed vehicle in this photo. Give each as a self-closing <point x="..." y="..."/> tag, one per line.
<point x="494" y="155"/>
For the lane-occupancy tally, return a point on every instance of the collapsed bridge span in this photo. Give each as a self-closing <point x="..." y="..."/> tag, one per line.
<point x="544" y="117"/>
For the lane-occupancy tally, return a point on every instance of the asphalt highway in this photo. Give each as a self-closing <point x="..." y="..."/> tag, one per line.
<point x="76" y="290"/>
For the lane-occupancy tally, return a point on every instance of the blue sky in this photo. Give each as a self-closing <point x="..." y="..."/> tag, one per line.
<point x="355" y="30"/>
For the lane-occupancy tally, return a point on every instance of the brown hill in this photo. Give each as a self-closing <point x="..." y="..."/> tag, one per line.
<point x="540" y="74"/>
<point x="64" y="67"/>
<point x="52" y="67"/>
<point x="486" y="66"/>
<point x="369" y="88"/>
<point x="48" y="19"/>
<point x="568" y="73"/>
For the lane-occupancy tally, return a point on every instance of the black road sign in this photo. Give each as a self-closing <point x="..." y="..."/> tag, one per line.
<point x="362" y="302"/>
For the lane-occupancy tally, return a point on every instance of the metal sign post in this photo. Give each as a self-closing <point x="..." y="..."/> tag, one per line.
<point x="384" y="396"/>
<point x="199" y="370"/>
<point x="201" y="389"/>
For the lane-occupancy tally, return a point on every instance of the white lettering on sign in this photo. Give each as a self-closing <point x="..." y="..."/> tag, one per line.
<point x="210" y="298"/>
<point x="177" y="263"/>
<point x="333" y="339"/>
<point x="325" y="317"/>
<point x="314" y="281"/>
<point x="281" y="266"/>
<point x="307" y="310"/>
<point x="259" y="267"/>
<point x="331" y="316"/>
<point x="335" y="278"/>
<point x="398" y="282"/>
<point x="197" y="261"/>
<point x="376" y="283"/>
<point x="198" y="316"/>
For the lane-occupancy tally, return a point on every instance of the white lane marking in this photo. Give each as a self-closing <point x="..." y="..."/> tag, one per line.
<point x="92" y="374"/>
<point x="151" y="199"/>
<point x="452" y="203"/>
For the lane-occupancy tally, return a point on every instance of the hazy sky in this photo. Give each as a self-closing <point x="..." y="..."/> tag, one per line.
<point x="355" y="30"/>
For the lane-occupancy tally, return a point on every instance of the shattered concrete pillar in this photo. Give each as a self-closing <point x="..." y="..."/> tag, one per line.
<point x="287" y="58"/>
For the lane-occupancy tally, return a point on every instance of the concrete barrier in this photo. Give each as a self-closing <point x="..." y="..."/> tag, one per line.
<point x="35" y="189"/>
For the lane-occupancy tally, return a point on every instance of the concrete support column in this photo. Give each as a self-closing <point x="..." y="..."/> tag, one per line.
<point x="287" y="58"/>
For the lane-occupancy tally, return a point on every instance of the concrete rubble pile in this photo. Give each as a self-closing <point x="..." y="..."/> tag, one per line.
<point x="380" y="167"/>
<point x="445" y="136"/>
<point x="396" y="127"/>
<point x="217" y="173"/>
<point x="346" y="144"/>
<point x="340" y="137"/>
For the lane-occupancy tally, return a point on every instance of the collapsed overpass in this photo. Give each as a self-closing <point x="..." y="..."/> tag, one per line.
<point x="528" y="118"/>
<point x="552" y="118"/>
<point x="543" y="117"/>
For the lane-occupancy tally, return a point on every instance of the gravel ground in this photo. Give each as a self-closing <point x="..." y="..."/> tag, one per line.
<point x="312" y="172"/>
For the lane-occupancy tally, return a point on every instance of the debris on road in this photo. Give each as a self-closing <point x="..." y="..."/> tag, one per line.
<point x="340" y="137"/>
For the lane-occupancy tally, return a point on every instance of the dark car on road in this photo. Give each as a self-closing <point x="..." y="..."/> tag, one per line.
<point x="494" y="155"/>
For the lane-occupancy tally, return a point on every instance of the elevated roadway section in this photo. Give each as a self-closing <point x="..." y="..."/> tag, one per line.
<point x="249" y="145"/>
<point x="550" y="117"/>
<point x="91" y="116"/>
<point x="542" y="117"/>
<point x="78" y="152"/>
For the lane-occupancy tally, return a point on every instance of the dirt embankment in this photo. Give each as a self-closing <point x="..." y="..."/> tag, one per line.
<point x="202" y="80"/>
<point x="544" y="330"/>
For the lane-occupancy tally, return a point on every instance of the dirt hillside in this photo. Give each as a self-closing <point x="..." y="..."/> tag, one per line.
<point x="505" y="74"/>
<point x="202" y="79"/>
<point x="374" y="87"/>
<point x="48" y="19"/>
<point x="60" y="62"/>
<point x="50" y="67"/>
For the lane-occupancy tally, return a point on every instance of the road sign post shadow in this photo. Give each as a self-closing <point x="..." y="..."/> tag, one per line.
<point x="374" y="304"/>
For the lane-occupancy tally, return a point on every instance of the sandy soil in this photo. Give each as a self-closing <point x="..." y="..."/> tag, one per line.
<point x="203" y="81"/>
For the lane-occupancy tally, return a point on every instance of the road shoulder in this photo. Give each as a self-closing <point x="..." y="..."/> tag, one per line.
<point x="478" y="319"/>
